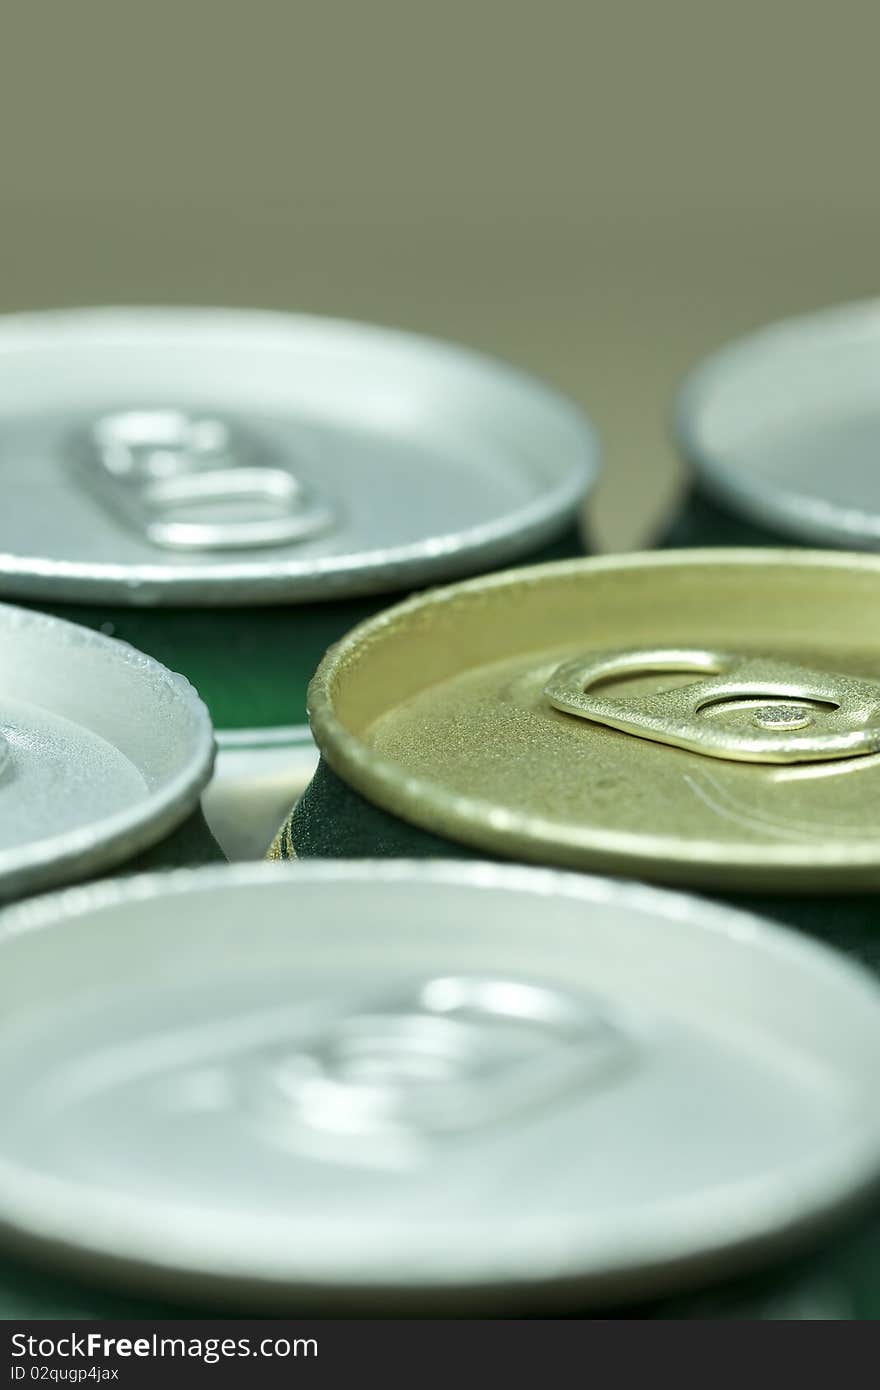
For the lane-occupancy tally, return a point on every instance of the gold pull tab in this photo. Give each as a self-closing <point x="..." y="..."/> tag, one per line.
<point x="752" y="709"/>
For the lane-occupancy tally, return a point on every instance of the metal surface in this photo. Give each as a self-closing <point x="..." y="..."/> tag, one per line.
<point x="435" y="711"/>
<point x="747" y="709"/>
<point x="324" y="1105"/>
<point x="104" y="751"/>
<point x="189" y="481"/>
<point x="141" y="448"/>
<point x="782" y="428"/>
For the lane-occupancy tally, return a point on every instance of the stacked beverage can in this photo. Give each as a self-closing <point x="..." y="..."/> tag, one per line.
<point x="704" y="718"/>
<point x="438" y="1087"/>
<point x="104" y="754"/>
<point x="675" y="1087"/>
<point x="231" y="491"/>
<point x="779" y="431"/>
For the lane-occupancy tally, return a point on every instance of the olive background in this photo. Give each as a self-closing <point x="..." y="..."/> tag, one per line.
<point x="598" y="191"/>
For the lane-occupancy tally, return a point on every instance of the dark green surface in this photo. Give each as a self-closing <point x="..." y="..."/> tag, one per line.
<point x="251" y="666"/>
<point x="191" y="843"/>
<point x="701" y="521"/>
<point x="333" y="821"/>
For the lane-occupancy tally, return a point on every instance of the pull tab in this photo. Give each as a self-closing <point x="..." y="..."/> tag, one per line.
<point x="5" y="754"/>
<point x="196" y="482"/>
<point x="453" y="1054"/>
<point x="752" y="709"/>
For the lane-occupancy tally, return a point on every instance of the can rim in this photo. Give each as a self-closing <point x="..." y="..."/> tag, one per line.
<point x="110" y="840"/>
<point x="829" y="1184"/>
<point x="373" y="570"/>
<point x="666" y="858"/>
<point x="764" y="502"/>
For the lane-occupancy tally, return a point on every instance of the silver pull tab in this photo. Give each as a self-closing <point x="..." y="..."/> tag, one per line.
<point x="448" y="1056"/>
<point x="747" y="708"/>
<point x="196" y="482"/>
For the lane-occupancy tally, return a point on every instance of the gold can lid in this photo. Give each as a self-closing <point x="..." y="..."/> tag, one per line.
<point x="709" y="717"/>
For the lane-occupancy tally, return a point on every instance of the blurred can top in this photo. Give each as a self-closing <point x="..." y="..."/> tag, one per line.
<point x="204" y="482"/>
<point x="372" y="1045"/>
<point x="781" y="432"/>
<point x="103" y="756"/>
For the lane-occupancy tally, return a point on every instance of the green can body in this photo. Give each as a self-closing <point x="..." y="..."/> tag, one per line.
<point x="190" y="844"/>
<point x="251" y="665"/>
<point x="703" y="521"/>
<point x="334" y="821"/>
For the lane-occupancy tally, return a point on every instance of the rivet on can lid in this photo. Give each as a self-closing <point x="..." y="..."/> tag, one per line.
<point x="842" y="712"/>
<point x="782" y="717"/>
<point x="167" y="471"/>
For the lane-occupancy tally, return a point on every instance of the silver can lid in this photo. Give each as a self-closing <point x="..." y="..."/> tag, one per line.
<point x="423" y="1078"/>
<point x="103" y="751"/>
<point x="783" y="427"/>
<point x="209" y="456"/>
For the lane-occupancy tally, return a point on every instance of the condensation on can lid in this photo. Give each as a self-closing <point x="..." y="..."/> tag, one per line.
<point x="422" y="1078"/>
<point x="208" y="456"/>
<point x="103" y="751"/>
<point x="709" y="717"/>
<point x="783" y="427"/>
